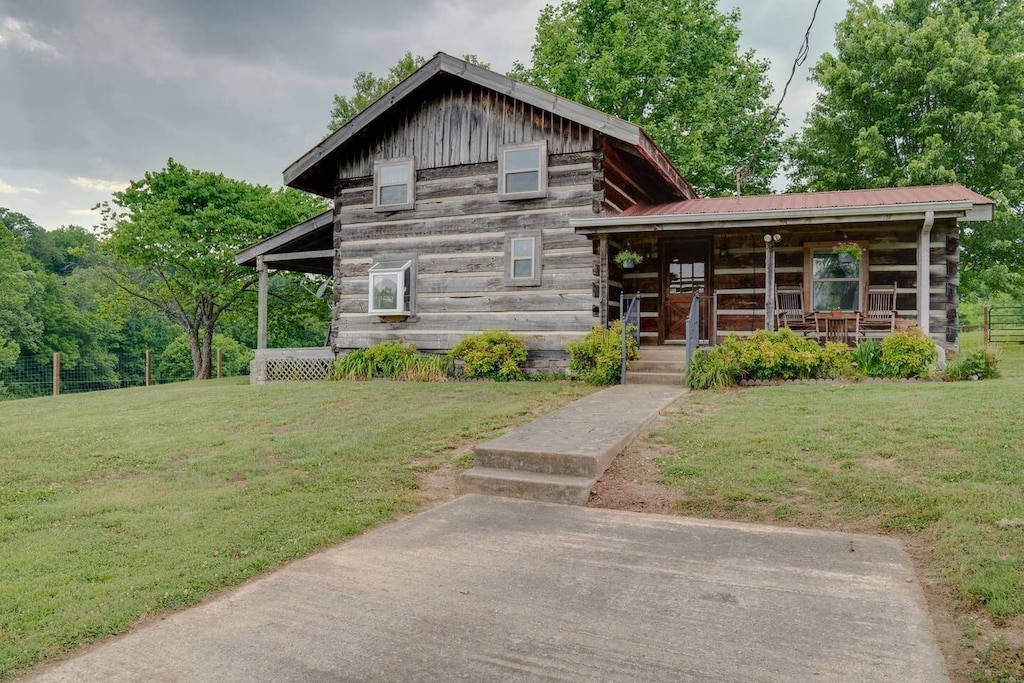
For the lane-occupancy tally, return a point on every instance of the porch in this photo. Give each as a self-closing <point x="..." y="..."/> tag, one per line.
<point x="740" y="251"/>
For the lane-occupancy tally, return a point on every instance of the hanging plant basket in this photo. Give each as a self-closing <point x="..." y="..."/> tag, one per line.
<point x="628" y="258"/>
<point x="848" y="252"/>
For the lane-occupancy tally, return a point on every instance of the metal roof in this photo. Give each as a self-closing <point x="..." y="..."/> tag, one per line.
<point x="842" y="199"/>
<point x="806" y="208"/>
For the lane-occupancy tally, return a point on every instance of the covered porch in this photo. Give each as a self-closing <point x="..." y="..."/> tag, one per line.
<point x="741" y="252"/>
<point x="307" y="247"/>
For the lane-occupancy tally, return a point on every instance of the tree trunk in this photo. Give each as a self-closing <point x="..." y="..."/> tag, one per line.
<point x="203" y="371"/>
<point x="196" y="348"/>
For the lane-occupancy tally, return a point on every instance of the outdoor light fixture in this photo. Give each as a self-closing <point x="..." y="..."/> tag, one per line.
<point x="772" y="239"/>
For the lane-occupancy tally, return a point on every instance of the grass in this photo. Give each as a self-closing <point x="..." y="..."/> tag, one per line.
<point x="120" y="505"/>
<point x="940" y="463"/>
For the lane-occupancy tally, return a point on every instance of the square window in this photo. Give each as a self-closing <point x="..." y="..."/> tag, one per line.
<point x="391" y="288"/>
<point x="394" y="183"/>
<point x="523" y="171"/>
<point x="522" y="259"/>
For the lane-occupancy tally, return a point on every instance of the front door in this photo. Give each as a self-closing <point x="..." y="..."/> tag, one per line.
<point x="685" y="270"/>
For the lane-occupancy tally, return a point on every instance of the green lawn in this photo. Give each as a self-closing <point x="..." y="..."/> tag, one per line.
<point x="940" y="463"/>
<point x="118" y="505"/>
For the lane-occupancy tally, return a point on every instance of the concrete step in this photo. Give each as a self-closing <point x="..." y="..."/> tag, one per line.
<point x="662" y="378"/>
<point x="675" y="353"/>
<point x="645" y="365"/>
<point x="538" y="461"/>
<point x="548" y="488"/>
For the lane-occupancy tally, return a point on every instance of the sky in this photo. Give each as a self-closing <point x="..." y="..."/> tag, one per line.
<point x="94" y="93"/>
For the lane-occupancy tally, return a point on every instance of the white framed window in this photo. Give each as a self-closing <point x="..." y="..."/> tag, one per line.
<point x="391" y="288"/>
<point x="394" y="185"/>
<point x="835" y="281"/>
<point x="523" y="171"/>
<point x="522" y="259"/>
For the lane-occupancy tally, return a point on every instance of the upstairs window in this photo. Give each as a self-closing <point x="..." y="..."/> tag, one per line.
<point x="522" y="259"/>
<point x="394" y="185"/>
<point x="391" y="285"/>
<point x="523" y="171"/>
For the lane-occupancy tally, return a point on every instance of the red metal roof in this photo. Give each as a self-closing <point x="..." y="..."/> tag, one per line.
<point x="843" y="199"/>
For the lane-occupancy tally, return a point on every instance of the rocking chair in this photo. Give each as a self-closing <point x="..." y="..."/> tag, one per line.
<point x="789" y="310"/>
<point x="880" y="317"/>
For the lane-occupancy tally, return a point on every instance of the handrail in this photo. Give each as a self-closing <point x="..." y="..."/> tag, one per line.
<point x="693" y="326"/>
<point x="629" y="316"/>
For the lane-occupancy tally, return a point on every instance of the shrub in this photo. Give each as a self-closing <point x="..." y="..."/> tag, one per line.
<point x="717" y="367"/>
<point x="495" y="354"/>
<point x="386" y="359"/>
<point x="907" y="354"/>
<point x="868" y="358"/>
<point x="836" y="361"/>
<point x="780" y="355"/>
<point x="597" y="358"/>
<point x="978" y="364"/>
<point x="426" y="368"/>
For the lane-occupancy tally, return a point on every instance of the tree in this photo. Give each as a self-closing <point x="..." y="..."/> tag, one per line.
<point x="672" y="67"/>
<point x="922" y="92"/>
<point x="368" y="87"/>
<point x="174" y="235"/>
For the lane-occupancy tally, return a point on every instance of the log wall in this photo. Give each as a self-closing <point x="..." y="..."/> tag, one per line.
<point x="456" y="233"/>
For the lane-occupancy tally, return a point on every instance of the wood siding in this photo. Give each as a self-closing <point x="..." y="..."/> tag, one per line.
<point x="463" y="124"/>
<point x="457" y="235"/>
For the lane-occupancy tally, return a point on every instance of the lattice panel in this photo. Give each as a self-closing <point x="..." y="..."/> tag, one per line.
<point x="298" y="369"/>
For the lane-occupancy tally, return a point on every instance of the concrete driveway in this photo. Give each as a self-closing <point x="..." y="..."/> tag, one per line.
<point x="495" y="589"/>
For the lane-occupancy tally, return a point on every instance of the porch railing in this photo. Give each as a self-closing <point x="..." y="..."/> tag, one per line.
<point x="630" y="316"/>
<point x="693" y="326"/>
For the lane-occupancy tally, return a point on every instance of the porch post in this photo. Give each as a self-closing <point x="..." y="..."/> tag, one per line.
<point x="261" y="310"/>
<point x="602" y="286"/>
<point x="769" y="280"/>
<point x="924" y="273"/>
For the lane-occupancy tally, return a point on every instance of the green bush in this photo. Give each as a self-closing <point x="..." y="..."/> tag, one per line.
<point x="597" y="358"/>
<point x="390" y="359"/>
<point x="717" y="367"/>
<point x="780" y="355"/>
<point x="495" y="354"/>
<point x="978" y="364"/>
<point x="907" y="354"/>
<point x="867" y="358"/>
<point x="176" y="359"/>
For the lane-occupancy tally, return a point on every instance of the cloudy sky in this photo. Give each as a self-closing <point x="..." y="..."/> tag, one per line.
<point x="94" y="93"/>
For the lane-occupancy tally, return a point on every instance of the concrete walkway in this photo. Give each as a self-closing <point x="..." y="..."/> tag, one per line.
<point x="559" y="457"/>
<point x="487" y="589"/>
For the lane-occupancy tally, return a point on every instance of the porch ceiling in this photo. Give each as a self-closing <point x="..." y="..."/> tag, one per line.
<point x="307" y="247"/>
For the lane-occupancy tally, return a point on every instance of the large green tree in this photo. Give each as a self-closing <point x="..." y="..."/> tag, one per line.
<point x="674" y="68"/>
<point x="923" y="92"/>
<point x="368" y="87"/>
<point x="174" y="234"/>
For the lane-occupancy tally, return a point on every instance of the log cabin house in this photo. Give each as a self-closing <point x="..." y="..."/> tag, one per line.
<point x="464" y="200"/>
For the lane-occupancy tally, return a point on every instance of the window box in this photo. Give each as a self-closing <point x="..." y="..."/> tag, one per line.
<point x="391" y="288"/>
<point x="523" y="171"/>
<point x="394" y="185"/>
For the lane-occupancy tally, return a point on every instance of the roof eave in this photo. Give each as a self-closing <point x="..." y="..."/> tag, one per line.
<point x="811" y="216"/>
<point x="247" y="257"/>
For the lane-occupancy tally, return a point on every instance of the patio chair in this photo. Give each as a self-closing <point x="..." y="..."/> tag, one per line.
<point x="789" y="310"/>
<point x="880" y="317"/>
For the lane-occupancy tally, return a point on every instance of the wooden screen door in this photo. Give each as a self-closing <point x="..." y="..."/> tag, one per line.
<point x="685" y="266"/>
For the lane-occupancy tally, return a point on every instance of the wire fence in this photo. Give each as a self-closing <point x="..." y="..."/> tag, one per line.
<point x="54" y="374"/>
